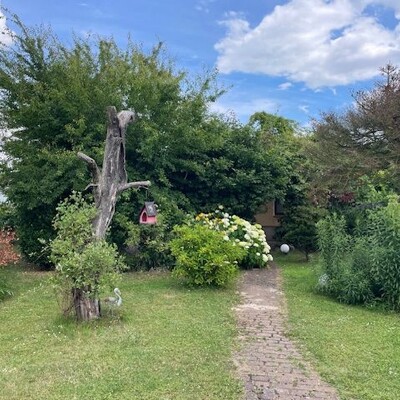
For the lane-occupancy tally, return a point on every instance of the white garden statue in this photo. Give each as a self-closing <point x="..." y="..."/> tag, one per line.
<point x="114" y="301"/>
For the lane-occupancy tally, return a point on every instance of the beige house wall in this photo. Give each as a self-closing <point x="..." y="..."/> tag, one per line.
<point x="268" y="220"/>
<point x="266" y="216"/>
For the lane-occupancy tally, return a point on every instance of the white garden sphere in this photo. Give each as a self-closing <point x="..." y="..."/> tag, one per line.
<point x="285" y="248"/>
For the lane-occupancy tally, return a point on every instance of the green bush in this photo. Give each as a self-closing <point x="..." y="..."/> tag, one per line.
<point x="7" y="216"/>
<point x="345" y="261"/>
<point x="81" y="261"/>
<point x="333" y="243"/>
<point x="385" y="237"/>
<point x="298" y="228"/>
<point x="145" y="247"/>
<point x="204" y="257"/>
<point x="366" y="265"/>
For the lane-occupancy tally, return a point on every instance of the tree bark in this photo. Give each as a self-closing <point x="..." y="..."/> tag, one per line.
<point x="112" y="179"/>
<point x="86" y="308"/>
<point x="107" y="183"/>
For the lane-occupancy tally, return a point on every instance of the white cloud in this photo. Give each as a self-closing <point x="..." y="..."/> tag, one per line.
<point x="318" y="42"/>
<point x="5" y="32"/>
<point x="304" y="108"/>
<point x="203" y="5"/>
<point x="285" y="85"/>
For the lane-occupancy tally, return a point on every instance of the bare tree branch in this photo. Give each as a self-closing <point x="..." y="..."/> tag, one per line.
<point x="92" y="165"/>
<point x="91" y="185"/>
<point x="139" y="184"/>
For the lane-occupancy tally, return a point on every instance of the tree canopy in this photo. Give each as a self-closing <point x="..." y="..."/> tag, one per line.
<point x="364" y="140"/>
<point x="54" y="99"/>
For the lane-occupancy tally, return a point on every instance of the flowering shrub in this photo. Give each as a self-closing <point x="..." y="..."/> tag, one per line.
<point x="7" y="256"/>
<point x="7" y="252"/>
<point x="241" y="233"/>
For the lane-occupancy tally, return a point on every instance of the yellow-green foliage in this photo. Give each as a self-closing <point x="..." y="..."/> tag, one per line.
<point x="203" y="257"/>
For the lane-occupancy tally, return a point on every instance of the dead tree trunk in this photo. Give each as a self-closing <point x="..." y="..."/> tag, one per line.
<point x="86" y="308"/>
<point x="107" y="183"/>
<point x="112" y="179"/>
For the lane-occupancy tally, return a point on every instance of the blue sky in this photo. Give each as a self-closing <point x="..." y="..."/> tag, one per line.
<point x="294" y="58"/>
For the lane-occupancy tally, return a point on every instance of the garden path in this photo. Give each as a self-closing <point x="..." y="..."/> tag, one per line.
<point x="268" y="361"/>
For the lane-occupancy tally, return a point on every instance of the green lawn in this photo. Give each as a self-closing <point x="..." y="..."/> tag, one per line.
<point x="170" y="343"/>
<point x="356" y="349"/>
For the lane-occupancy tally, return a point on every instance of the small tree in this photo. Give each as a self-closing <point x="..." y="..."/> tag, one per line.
<point x="83" y="265"/>
<point x="80" y="248"/>
<point x="299" y="228"/>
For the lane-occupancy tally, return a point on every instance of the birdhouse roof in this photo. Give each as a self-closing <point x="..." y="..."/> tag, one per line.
<point x="150" y="208"/>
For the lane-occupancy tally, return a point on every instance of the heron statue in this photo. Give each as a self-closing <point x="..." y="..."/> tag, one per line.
<point x="114" y="301"/>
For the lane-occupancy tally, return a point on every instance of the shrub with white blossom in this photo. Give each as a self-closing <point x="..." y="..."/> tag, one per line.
<point x="241" y="233"/>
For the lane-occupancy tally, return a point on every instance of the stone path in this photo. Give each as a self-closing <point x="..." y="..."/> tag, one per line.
<point x="269" y="363"/>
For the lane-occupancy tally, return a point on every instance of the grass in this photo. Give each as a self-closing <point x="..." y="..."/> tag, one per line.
<point x="356" y="349"/>
<point x="169" y="342"/>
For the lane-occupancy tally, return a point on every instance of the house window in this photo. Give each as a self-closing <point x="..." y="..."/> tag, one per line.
<point x="278" y="208"/>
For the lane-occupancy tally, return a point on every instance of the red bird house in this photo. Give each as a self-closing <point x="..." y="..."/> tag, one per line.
<point x="148" y="215"/>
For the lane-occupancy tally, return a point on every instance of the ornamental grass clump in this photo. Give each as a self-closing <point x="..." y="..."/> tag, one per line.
<point x="241" y="233"/>
<point x="362" y="267"/>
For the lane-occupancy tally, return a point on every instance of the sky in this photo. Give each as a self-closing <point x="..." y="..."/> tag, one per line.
<point x="293" y="58"/>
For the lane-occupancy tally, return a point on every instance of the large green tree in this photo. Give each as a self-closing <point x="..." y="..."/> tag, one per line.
<point x="53" y="101"/>
<point x="364" y="140"/>
<point x="284" y="139"/>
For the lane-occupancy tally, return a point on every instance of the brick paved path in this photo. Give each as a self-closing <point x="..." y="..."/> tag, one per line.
<point x="268" y="361"/>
